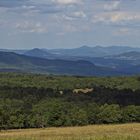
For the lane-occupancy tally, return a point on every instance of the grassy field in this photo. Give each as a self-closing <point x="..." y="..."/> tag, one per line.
<point x="95" y="132"/>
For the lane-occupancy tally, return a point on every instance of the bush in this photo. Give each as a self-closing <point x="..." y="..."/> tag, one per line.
<point x="131" y="114"/>
<point x="109" y="114"/>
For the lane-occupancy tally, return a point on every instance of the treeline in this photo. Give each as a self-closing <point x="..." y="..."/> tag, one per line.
<point x="57" y="112"/>
<point x="67" y="82"/>
<point x="32" y="107"/>
<point x="37" y="101"/>
<point x="99" y="95"/>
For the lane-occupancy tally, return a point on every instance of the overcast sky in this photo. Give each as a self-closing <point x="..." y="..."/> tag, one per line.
<point x="69" y="23"/>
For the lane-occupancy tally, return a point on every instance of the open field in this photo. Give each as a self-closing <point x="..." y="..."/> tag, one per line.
<point x="94" y="132"/>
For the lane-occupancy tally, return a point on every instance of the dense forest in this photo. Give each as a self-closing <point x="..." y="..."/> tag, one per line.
<point x="36" y="101"/>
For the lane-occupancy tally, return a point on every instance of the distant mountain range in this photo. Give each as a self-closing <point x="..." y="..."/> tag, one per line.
<point x="132" y="55"/>
<point x="39" y="53"/>
<point x="97" y="51"/>
<point x="10" y="61"/>
<point x="116" y="57"/>
<point x="84" y="61"/>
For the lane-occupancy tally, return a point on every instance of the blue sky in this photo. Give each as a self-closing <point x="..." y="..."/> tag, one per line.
<point x="69" y="23"/>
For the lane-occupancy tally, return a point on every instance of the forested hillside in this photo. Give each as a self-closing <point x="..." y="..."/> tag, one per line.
<point x="67" y="82"/>
<point x="32" y="101"/>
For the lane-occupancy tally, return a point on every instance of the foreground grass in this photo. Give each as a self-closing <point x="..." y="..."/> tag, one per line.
<point x="95" y="132"/>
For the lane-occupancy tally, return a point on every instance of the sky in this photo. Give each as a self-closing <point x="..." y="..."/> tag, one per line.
<point x="26" y="24"/>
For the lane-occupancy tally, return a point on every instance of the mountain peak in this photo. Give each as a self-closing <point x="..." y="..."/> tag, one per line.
<point x="37" y="53"/>
<point x="85" y="47"/>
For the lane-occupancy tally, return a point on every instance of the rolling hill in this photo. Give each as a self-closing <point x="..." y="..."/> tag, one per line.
<point x="10" y="61"/>
<point x="118" y="58"/>
<point x="132" y="55"/>
<point x="97" y="51"/>
<point x="39" y="53"/>
<point x="78" y="61"/>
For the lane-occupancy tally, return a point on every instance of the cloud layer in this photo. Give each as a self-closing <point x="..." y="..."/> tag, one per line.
<point x="85" y="21"/>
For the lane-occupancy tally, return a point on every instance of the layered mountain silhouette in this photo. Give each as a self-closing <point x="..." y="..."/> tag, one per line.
<point x="84" y="61"/>
<point x="38" y="53"/>
<point x="97" y="51"/>
<point x="132" y="55"/>
<point x="10" y="61"/>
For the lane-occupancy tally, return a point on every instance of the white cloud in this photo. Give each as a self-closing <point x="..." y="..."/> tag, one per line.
<point x="74" y="15"/>
<point x="70" y="28"/>
<point x="122" y="31"/>
<point x="67" y="1"/>
<point x="79" y="14"/>
<point x="117" y="18"/>
<point x="113" y="5"/>
<point x="31" y="27"/>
